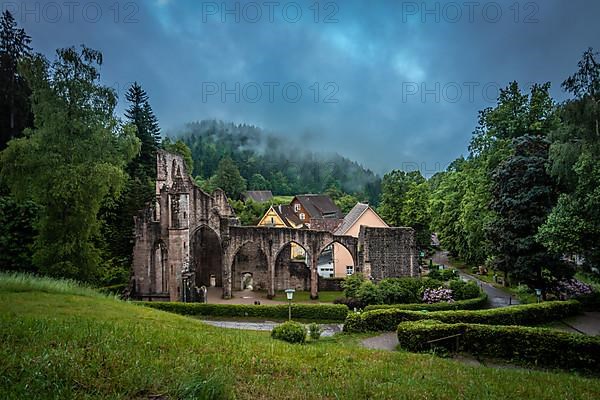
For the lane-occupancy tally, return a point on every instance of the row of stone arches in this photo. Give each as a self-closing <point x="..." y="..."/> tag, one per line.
<point x="252" y="266"/>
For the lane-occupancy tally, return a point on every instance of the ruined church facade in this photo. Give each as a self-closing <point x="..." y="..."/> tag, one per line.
<point x="189" y="238"/>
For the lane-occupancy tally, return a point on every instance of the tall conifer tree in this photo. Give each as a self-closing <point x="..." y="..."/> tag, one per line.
<point x="15" y="108"/>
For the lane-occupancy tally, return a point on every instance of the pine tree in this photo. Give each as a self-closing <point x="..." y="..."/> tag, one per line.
<point x="139" y="190"/>
<point x="141" y="115"/>
<point x="15" y="108"/>
<point x="229" y="179"/>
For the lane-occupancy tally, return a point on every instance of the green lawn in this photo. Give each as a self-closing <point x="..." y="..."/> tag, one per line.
<point x="304" y="296"/>
<point x="62" y="342"/>
<point x="282" y="199"/>
<point x="301" y="296"/>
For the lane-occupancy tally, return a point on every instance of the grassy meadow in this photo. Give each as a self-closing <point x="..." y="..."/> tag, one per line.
<point x="59" y="340"/>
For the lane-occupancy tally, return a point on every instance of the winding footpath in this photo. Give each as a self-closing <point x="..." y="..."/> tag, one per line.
<point x="496" y="297"/>
<point x="328" y="329"/>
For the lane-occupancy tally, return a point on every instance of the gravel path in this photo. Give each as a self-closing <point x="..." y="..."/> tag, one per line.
<point x="496" y="297"/>
<point x="386" y="341"/>
<point x="328" y="329"/>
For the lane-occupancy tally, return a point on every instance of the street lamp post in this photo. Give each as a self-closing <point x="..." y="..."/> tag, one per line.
<point x="538" y="293"/>
<point x="290" y="295"/>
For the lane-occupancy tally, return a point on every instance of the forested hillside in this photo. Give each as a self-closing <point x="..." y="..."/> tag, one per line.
<point x="271" y="162"/>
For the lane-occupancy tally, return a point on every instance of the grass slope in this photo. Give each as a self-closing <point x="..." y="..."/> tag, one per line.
<point x="58" y="340"/>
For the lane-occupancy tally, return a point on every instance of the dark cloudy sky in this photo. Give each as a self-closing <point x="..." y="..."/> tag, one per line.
<point x="390" y="84"/>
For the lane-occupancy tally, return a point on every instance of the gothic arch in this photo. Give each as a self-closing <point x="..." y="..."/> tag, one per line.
<point x="289" y="272"/>
<point x="250" y="262"/>
<point x="304" y="246"/>
<point x="159" y="272"/>
<point x="206" y="256"/>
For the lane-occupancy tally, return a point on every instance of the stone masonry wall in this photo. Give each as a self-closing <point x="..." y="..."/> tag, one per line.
<point x="291" y="274"/>
<point x="252" y="259"/>
<point x="388" y="252"/>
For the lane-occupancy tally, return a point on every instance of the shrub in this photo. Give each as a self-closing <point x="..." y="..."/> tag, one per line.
<point x="524" y="294"/>
<point x="352" y="284"/>
<point x="394" y="291"/>
<point x="539" y="346"/>
<point x="443" y="275"/>
<point x="292" y="332"/>
<point x="324" y="312"/>
<point x="369" y="293"/>
<point x="314" y="331"/>
<point x="355" y="323"/>
<point x="573" y="288"/>
<point x="527" y="314"/>
<point x="470" y="304"/>
<point x="462" y="290"/>
<point x="439" y="295"/>
<point x="352" y="303"/>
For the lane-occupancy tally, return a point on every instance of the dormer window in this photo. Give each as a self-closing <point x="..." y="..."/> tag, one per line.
<point x="297" y="208"/>
<point x="302" y="216"/>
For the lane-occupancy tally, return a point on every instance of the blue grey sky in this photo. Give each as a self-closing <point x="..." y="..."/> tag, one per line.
<point x="390" y="84"/>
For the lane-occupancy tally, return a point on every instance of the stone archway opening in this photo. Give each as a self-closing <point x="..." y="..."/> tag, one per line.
<point x="336" y="261"/>
<point x="206" y="256"/>
<point x="159" y="272"/>
<point x="250" y="269"/>
<point x="291" y="268"/>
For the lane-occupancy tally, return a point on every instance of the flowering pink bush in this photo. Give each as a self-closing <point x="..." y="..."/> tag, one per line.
<point x="437" y="295"/>
<point x="573" y="288"/>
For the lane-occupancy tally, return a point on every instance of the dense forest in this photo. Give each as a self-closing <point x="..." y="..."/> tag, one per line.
<point x="525" y="201"/>
<point x="269" y="162"/>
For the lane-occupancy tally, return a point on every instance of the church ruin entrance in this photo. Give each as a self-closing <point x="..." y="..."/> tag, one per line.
<point x="206" y="257"/>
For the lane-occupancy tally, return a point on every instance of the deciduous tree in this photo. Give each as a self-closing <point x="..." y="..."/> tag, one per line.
<point x="71" y="161"/>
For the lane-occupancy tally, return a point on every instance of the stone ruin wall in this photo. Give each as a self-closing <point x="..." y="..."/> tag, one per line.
<point x="164" y="232"/>
<point x="388" y="252"/>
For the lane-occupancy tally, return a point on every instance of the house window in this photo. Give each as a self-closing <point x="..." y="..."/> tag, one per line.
<point x="302" y="216"/>
<point x="272" y="221"/>
<point x="349" y="270"/>
<point x="296" y="207"/>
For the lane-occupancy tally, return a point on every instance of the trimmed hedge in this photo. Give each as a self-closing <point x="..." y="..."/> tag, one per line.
<point x="470" y="304"/>
<point x="443" y="275"/>
<point x="591" y="302"/>
<point x="325" y="312"/>
<point x="540" y="346"/>
<point x="527" y="314"/>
